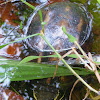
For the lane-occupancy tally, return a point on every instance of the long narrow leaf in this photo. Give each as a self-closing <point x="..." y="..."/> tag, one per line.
<point x="29" y="58"/>
<point x="28" y="4"/>
<point x="1" y="46"/>
<point x="29" y="71"/>
<point x="74" y="56"/>
<point x="70" y="37"/>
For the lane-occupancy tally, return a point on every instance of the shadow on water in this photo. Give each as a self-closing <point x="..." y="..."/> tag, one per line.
<point x="11" y="15"/>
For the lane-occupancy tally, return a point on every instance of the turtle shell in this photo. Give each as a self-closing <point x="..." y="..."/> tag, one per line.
<point x="71" y="15"/>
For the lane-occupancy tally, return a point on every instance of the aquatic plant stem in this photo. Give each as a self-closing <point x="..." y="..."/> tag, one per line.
<point x="74" y="73"/>
<point x="28" y="4"/>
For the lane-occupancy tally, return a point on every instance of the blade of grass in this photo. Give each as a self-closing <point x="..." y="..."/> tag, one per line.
<point x="28" y="4"/>
<point x="1" y="46"/>
<point x="74" y="56"/>
<point x="29" y="58"/>
<point x="41" y="18"/>
<point x="30" y="70"/>
<point x="21" y="26"/>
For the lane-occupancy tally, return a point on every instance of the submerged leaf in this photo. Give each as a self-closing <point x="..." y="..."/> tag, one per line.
<point x="70" y="37"/>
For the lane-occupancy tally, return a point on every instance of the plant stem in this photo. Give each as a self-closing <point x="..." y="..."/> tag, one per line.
<point x="84" y="54"/>
<point x="74" y="73"/>
<point x="1" y="46"/>
<point x="28" y="4"/>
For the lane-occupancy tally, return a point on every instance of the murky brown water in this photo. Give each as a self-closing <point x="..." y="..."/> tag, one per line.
<point x="11" y="14"/>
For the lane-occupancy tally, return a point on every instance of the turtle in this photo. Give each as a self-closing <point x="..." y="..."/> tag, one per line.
<point x="73" y="16"/>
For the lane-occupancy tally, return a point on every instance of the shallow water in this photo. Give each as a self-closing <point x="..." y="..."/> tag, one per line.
<point x="10" y="31"/>
<point x="11" y="14"/>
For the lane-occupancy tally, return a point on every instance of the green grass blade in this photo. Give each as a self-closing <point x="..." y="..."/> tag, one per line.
<point x="1" y="46"/>
<point x="29" y="58"/>
<point x="74" y="56"/>
<point x="29" y="71"/>
<point x="40" y="14"/>
<point x="28" y="4"/>
<point x="21" y="25"/>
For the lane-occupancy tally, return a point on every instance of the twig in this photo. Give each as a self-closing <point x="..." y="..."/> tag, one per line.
<point x="69" y="52"/>
<point x="5" y="2"/>
<point x="94" y="67"/>
<point x="97" y="75"/>
<point x="91" y="62"/>
<point x="39" y="59"/>
<point x="84" y="54"/>
<point x="87" y="94"/>
<point x="73" y="88"/>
